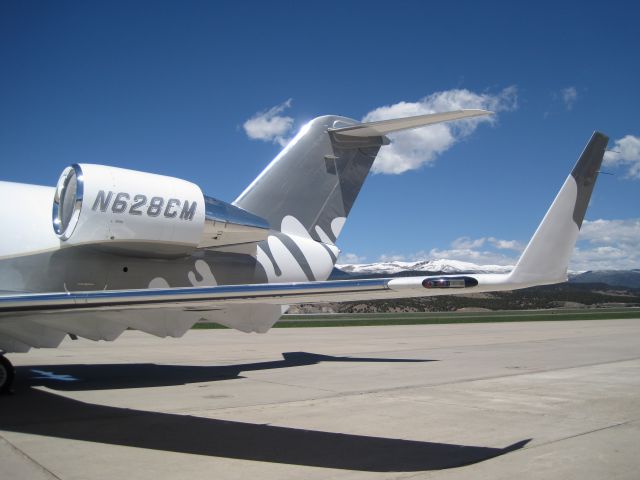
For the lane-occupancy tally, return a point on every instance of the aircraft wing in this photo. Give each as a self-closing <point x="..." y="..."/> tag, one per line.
<point x="271" y="293"/>
<point x="44" y="319"/>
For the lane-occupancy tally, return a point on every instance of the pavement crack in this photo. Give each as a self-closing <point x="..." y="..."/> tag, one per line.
<point x="492" y="377"/>
<point x="581" y="434"/>
<point x="20" y="453"/>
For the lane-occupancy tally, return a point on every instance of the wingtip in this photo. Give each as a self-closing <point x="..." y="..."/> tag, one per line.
<point x="586" y="171"/>
<point x="478" y="111"/>
<point x="601" y="135"/>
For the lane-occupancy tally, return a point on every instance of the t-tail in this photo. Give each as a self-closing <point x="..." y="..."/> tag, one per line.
<point x="311" y="186"/>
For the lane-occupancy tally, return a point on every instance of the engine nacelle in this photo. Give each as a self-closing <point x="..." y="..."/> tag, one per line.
<point x="126" y="210"/>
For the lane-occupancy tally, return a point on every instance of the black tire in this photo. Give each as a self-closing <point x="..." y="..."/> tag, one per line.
<point x="6" y="375"/>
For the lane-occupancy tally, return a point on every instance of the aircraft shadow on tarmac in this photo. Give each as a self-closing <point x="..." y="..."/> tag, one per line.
<point x="38" y="412"/>
<point x="143" y="375"/>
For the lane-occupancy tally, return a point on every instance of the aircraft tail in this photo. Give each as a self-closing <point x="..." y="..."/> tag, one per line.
<point x="546" y="258"/>
<point x="310" y="187"/>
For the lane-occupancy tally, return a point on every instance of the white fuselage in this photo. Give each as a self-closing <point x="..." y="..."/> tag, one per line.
<point x="26" y="217"/>
<point x="34" y="259"/>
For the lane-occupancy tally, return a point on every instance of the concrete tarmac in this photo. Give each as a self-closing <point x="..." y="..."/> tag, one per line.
<point x="478" y="401"/>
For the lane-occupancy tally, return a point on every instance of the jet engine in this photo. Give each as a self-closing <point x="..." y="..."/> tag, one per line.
<point x="145" y="214"/>
<point x="126" y="209"/>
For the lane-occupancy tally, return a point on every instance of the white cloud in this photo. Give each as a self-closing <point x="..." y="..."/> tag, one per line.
<point x="625" y="153"/>
<point x="566" y="97"/>
<point x="350" y="258"/>
<point x="602" y="245"/>
<point x="269" y="125"/>
<point x="481" y="251"/>
<point x="608" y="244"/>
<point x="569" y="97"/>
<point x="392" y="258"/>
<point x="472" y="246"/>
<point x="506" y="244"/>
<point x="479" y="257"/>
<point x="412" y="149"/>
<point x="607" y="231"/>
<point x="468" y="243"/>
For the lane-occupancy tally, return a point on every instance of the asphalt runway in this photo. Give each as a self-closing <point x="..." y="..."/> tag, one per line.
<point x="478" y="401"/>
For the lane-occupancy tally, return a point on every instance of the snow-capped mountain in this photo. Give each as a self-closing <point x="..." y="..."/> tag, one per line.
<point x="615" y="278"/>
<point x="427" y="266"/>
<point x="621" y="278"/>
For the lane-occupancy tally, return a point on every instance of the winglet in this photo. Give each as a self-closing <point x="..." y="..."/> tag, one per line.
<point x="546" y="258"/>
<point x="586" y="171"/>
<point x="382" y="127"/>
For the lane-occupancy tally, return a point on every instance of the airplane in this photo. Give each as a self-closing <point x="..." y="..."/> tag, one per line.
<point x="108" y="248"/>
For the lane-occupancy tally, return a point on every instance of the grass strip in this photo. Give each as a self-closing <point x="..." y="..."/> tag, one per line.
<point x="328" y="321"/>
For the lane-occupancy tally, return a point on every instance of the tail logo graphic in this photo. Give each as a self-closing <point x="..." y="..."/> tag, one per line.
<point x="295" y="252"/>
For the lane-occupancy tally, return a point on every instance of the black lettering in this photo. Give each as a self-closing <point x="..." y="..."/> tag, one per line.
<point x="188" y="210"/>
<point x="155" y="206"/>
<point x="120" y="203"/>
<point x="138" y="201"/>
<point x="170" y="204"/>
<point x="102" y="201"/>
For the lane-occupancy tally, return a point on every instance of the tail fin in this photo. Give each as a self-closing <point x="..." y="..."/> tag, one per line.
<point x="546" y="258"/>
<point x="313" y="183"/>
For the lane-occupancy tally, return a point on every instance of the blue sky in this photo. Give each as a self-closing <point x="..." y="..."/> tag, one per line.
<point x="168" y="87"/>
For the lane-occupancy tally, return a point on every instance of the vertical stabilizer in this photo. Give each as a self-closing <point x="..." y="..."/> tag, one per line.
<point x="310" y="187"/>
<point x="312" y="184"/>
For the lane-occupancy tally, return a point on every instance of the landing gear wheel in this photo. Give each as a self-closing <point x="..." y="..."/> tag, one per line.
<point x="6" y="375"/>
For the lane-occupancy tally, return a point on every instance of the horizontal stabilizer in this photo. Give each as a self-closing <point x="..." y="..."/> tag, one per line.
<point x="382" y="127"/>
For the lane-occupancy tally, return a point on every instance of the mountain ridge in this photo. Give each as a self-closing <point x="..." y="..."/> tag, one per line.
<point x="425" y="266"/>
<point x="617" y="278"/>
